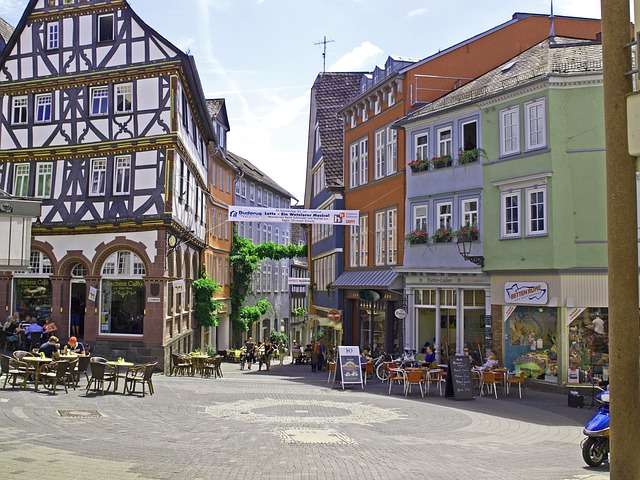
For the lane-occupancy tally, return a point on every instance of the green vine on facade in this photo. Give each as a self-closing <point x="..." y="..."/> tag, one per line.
<point x="245" y="259"/>
<point x="206" y="307"/>
<point x="251" y="314"/>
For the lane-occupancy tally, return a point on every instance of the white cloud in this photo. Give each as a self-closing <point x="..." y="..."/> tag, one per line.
<point x="417" y="12"/>
<point x="361" y="57"/>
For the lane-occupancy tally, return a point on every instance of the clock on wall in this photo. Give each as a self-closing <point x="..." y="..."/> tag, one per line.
<point x="172" y="241"/>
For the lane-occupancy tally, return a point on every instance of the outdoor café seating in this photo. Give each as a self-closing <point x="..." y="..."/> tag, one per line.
<point x="518" y="380"/>
<point x="180" y="365"/>
<point x="55" y="374"/>
<point x="140" y="375"/>
<point x="99" y="375"/>
<point x="396" y="376"/>
<point x="488" y="379"/>
<point x="13" y="369"/>
<point x="414" y="377"/>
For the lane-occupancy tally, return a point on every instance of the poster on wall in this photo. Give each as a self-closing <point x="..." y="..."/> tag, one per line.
<point x="294" y="215"/>
<point x="93" y="293"/>
<point x="526" y="293"/>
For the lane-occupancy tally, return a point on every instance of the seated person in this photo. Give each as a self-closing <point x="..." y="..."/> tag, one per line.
<point x="33" y="328"/>
<point x="50" y="347"/>
<point x="429" y="355"/>
<point x="491" y="363"/>
<point x="50" y="328"/>
<point x="74" y="346"/>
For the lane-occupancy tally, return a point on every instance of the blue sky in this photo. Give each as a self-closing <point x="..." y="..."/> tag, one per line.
<point x="259" y="54"/>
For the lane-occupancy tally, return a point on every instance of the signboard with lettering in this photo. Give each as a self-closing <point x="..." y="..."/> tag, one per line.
<point x="299" y="281"/>
<point x="526" y="293"/>
<point x="293" y="215"/>
<point x="459" y="384"/>
<point x="350" y="366"/>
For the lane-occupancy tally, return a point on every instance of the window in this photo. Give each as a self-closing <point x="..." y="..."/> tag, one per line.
<point x="252" y="192"/>
<point x="277" y="236"/>
<point x="319" y="180"/>
<point x="365" y="113"/>
<point x="470" y="213"/>
<point x="21" y="180"/>
<point x="53" y="36"/>
<point x="185" y="111"/>
<point x="391" y="98"/>
<point x="364" y="240"/>
<point x="99" y="101"/>
<point x="122" y="176"/>
<point x="228" y="183"/>
<point x="106" y="28"/>
<point x="43" y="108"/>
<point x="422" y="147"/>
<point x="470" y="135"/>
<point x="392" y="150"/>
<point x="445" y="215"/>
<point x="124" y="98"/>
<point x="420" y="218"/>
<point x="259" y="196"/>
<point x="380" y="154"/>
<point x="535" y="125"/>
<point x="377" y="106"/>
<point x="316" y="138"/>
<point x="353" y="120"/>
<point x="510" y="131"/>
<point x="269" y="201"/>
<point x="380" y="237"/>
<point x="269" y="233"/>
<point x="392" y="241"/>
<point x="537" y="207"/>
<point x="238" y="182"/>
<point x="39" y="263"/>
<point x="363" y="171"/>
<point x="445" y="142"/>
<point x="19" y="110"/>
<point x="44" y="175"/>
<point x="354" y="246"/>
<point x="511" y="214"/>
<point x="243" y="188"/>
<point x="353" y="165"/>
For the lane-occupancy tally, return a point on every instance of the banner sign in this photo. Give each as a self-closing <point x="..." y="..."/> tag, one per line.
<point x="293" y="215"/>
<point x="350" y="366"/>
<point x="299" y="281"/>
<point x="526" y="293"/>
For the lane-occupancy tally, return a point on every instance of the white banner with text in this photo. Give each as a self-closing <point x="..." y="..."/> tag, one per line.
<point x="293" y="215"/>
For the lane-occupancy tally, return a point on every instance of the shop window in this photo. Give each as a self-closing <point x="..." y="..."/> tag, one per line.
<point x="589" y="346"/>
<point x="32" y="298"/>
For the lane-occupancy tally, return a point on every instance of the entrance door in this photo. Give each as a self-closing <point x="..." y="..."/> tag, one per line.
<point x="77" y="308"/>
<point x="448" y="332"/>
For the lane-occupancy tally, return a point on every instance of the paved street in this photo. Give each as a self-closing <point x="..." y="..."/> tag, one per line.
<point x="286" y="425"/>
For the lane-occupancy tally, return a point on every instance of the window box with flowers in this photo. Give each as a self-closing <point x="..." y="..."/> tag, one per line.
<point x="468" y="233"/>
<point x="442" y="162"/>
<point x="442" y="235"/>
<point x="417" y="237"/>
<point x="419" y="166"/>
<point x="469" y="156"/>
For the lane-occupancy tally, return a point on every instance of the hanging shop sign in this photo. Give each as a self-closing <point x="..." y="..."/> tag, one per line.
<point x="350" y="366"/>
<point x="526" y="293"/>
<point x="400" y="313"/>
<point x="293" y="215"/>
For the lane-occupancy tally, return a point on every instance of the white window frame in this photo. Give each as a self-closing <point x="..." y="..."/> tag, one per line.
<point x="440" y="216"/>
<point x="117" y="168"/>
<point x="377" y="104"/>
<point x="421" y="151"/>
<point x="354" y="159"/>
<point x="252" y="192"/>
<point x="514" y="141"/>
<point x="464" y="212"/>
<point x="43" y="100"/>
<point x="124" y="90"/>
<point x="503" y="214"/>
<point x="102" y="175"/>
<point x="421" y="222"/>
<point x="530" y="231"/>
<point x="391" y="97"/>
<point x="444" y="143"/>
<point x="392" y="236"/>
<point x="365" y="113"/>
<point x="259" y="196"/>
<point x="364" y="240"/>
<point x="392" y="151"/>
<point x="20" y="105"/>
<point x="53" y="36"/>
<point x="464" y="124"/>
<point x="363" y="163"/>
<point x="380" y="240"/>
<point x="113" y="28"/>
<point x="44" y="170"/>
<point x="354" y="246"/>
<point x="353" y="119"/>
<point x="24" y="179"/>
<point x="381" y="149"/>
<point x="92" y="97"/>
<point x="542" y="143"/>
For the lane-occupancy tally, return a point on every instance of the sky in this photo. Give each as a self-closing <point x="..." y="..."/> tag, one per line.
<point x="260" y="54"/>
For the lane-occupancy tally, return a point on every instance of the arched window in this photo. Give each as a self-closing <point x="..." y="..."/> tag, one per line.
<point x="196" y="270"/>
<point x="39" y="263"/>
<point x="123" y="264"/>
<point x="79" y="270"/>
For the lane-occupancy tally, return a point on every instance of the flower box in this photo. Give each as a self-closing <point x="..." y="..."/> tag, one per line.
<point x="417" y="237"/>
<point x="470" y="156"/>
<point x="443" y="235"/>
<point x="442" y="162"/>
<point x="419" y="166"/>
<point x="468" y="233"/>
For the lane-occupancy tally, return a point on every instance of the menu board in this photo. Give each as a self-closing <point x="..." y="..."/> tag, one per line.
<point x="350" y="367"/>
<point x="459" y="384"/>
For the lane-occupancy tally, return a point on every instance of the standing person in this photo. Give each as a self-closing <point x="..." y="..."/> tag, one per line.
<point x="250" y="347"/>
<point x="315" y="356"/>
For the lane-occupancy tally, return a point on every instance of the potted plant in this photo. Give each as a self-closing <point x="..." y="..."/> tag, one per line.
<point x="419" y="166"/>
<point x="470" y="156"/>
<point x="443" y="235"/>
<point x="468" y="233"/>
<point x="298" y="312"/>
<point x="417" y="237"/>
<point x="441" y="162"/>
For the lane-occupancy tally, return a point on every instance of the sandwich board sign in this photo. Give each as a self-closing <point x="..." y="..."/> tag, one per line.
<point x="350" y="366"/>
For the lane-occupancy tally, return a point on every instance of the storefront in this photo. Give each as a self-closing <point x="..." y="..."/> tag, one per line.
<point x="32" y="292"/>
<point x="554" y="327"/>
<point x="449" y="312"/>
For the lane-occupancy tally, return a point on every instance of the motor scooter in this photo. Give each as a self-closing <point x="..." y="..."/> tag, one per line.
<point x="595" y="448"/>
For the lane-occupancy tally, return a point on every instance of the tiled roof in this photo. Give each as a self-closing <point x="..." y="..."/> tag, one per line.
<point x="332" y="90"/>
<point x="5" y="30"/>
<point x="250" y="170"/>
<point x="374" y="279"/>
<point x="558" y="56"/>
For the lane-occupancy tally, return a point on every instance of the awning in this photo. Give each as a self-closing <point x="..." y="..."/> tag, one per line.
<point x="371" y="279"/>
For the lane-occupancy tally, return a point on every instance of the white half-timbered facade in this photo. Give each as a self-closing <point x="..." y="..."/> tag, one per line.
<point x="104" y="121"/>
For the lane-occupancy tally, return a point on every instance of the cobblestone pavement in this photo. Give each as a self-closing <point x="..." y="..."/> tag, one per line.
<point x="286" y="424"/>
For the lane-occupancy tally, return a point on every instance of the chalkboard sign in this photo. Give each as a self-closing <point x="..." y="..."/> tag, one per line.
<point x="459" y="384"/>
<point x="350" y="367"/>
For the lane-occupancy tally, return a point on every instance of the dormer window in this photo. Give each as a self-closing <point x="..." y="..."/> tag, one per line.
<point x="106" y="29"/>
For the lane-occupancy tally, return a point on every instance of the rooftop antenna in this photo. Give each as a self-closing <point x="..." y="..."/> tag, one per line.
<point x="552" y="28"/>
<point x="324" y="42"/>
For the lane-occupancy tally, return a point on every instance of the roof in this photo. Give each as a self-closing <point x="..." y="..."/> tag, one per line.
<point x="254" y="172"/>
<point x="217" y="109"/>
<point x="331" y="91"/>
<point x="6" y="30"/>
<point x="560" y="55"/>
<point x="373" y="279"/>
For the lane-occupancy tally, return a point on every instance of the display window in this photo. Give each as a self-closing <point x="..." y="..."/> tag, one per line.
<point x="589" y="346"/>
<point x="532" y="342"/>
<point x="32" y="299"/>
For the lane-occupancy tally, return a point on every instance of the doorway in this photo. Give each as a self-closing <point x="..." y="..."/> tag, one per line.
<point x="77" y="309"/>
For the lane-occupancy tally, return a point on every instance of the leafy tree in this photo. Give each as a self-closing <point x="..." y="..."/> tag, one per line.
<point x="207" y="308"/>
<point x="251" y="314"/>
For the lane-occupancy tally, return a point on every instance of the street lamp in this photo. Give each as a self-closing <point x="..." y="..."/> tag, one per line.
<point x="465" y="243"/>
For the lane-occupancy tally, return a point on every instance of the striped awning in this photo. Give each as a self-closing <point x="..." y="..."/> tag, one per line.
<point x="373" y="279"/>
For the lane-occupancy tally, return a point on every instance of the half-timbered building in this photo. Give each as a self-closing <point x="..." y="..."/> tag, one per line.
<point x="104" y="121"/>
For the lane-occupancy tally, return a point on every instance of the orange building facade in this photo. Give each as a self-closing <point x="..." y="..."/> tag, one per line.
<point x="375" y="163"/>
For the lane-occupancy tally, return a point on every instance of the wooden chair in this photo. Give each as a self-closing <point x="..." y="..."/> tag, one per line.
<point x="99" y="375"/>
<point x="179" y="365"/>
<point x="83" y="366"/>
<point x="212" y="366"/>
<point x="140" y="375"/>
<point x="53" y="374"/>
<point x="413" y="377"/>
<point x="368" y="370"/>
<point x="516" y="380"/>
<point x="501" y="377"/>
<point x="20" y="354"/>
<point x="12" y="369"/>
<point x="488" y="379"/>
<point x="397" y="376"/>
<point x="331" y="368"/>
<point x="72" y="373"/>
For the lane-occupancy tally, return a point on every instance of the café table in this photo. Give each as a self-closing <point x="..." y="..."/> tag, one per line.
<point x="37" y="363"/>
<point x="197" y="363"/>
<point x="117" y="365"/>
